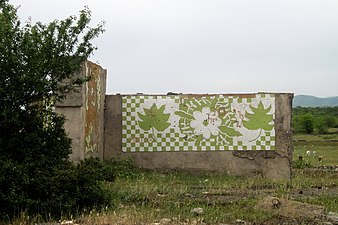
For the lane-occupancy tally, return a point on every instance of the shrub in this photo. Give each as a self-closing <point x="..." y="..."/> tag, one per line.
<point x="64" y="190"/>
<point x="35" y="175"/>
<point x="301" y="164"/>
<point x="123" y="167"/>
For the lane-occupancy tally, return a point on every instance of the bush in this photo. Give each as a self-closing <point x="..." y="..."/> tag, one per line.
<point x="64" y="190"/>
<point x="35" y="59"/>
<point x="301" y="164"/>
<point x="321" y="126"/>
<point x="303" y="123"/>
<point x="123" y="168"/>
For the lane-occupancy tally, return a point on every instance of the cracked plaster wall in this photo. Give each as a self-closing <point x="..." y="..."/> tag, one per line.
<point x="272" y="164"/>
<point x="94" y="122"/>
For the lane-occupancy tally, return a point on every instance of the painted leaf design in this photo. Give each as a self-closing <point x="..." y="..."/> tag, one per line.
<point x="184" y="115"/>
<point x="229" y="140"/>
<point x="154" y="118"/>
<point x="230" y="131"/>
<point x="221" y="108"/>
<point x="198" y="140"/>
<point x="259" y="119"/>
<point x="213" y="104"/>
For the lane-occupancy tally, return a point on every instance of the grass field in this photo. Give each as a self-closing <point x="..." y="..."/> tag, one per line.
<point x="154" y="198"/>
<point x="325" y="146"/>
<point x="157" y="198"/>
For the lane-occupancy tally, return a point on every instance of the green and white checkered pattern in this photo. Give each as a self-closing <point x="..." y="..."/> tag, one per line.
<point x="265" y="142"/>
<point x="135" y="139"/>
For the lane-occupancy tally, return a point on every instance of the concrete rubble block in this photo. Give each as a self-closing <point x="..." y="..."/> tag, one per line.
<point x="197" y="211"/>
<point x="238" y="221"/>
<point x="332" y="216"/>
<point x="290" y="209"/>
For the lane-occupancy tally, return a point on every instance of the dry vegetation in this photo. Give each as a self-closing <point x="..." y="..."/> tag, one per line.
<point x="150" y="197"/>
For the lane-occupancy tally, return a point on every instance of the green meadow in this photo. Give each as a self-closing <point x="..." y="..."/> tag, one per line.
<point x="169" y="197"/>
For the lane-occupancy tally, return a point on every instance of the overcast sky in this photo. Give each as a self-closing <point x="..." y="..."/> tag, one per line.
<point x="209" y="46"/>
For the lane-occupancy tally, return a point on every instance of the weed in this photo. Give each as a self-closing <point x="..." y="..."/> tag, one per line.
<point x="301" y="164"/>
<point x="145" y="197"/>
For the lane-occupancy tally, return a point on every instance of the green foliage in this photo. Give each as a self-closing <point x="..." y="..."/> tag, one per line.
<point x="307" y="123"/>
<point x="259" y="119"/>
<point x="304" y="123"/>
<point x="301" y="164"/>
<point x="323" y="123"/>
<point x="323" y="118"/>
<point x="316" y="111"/>
<point x="154" y="118"/>
<point x="320" y="126"/>
<point x="61" y="190"/>
<point x="35" y="175"/>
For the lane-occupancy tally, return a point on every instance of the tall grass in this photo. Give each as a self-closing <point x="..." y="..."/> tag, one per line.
<point x="157" y="197"/>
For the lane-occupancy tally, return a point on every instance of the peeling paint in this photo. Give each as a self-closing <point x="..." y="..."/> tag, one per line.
<point x="88" y="140"/>
<point x="93" y="109"/>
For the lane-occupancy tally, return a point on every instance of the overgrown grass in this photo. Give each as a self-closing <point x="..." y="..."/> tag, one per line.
<point x="315" y="137"/>
<point x="173" y="195"/>
<point x="151" y="196"/>
<point x="325" y="146"/>
<point x="146" y="197"/>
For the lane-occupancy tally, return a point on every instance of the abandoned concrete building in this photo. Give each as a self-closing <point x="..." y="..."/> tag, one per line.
<point x="241" y="134"/>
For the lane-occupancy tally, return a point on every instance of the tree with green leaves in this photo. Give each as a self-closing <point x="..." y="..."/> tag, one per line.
<point x="320" y="126"/>
<point x="306" y="123"/>
<point x="35" y="60"/>
<point x="321" y="119"/>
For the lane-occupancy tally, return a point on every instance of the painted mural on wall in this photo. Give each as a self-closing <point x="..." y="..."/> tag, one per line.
<point x="198" y="123"/>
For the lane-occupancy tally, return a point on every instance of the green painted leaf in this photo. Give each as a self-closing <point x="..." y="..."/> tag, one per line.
<point x="213" y="104"/>
<point x="154" y="117"/>
<point x="229" y="140"/>
<point x="230" y="131"/>
<point x="198" y="140"/>
<point x="259" y="119"/>
<point x="162" y="108"/>
<point x="184" y="115"/>
<point x="144" y="126"/>
<point x="197" y="105"/>
<point x="142" y="117"/>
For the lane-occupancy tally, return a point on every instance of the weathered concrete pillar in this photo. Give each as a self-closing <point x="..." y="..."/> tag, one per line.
<point x="84" y="112"/>
<point x="113" y="126"/>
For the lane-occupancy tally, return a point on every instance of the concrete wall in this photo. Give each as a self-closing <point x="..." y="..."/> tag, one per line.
<point x="243" y="134"/>
<point x="84" y="112"/>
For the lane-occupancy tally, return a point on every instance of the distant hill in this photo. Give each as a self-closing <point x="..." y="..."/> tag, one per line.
<point x="312" y="101"/>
